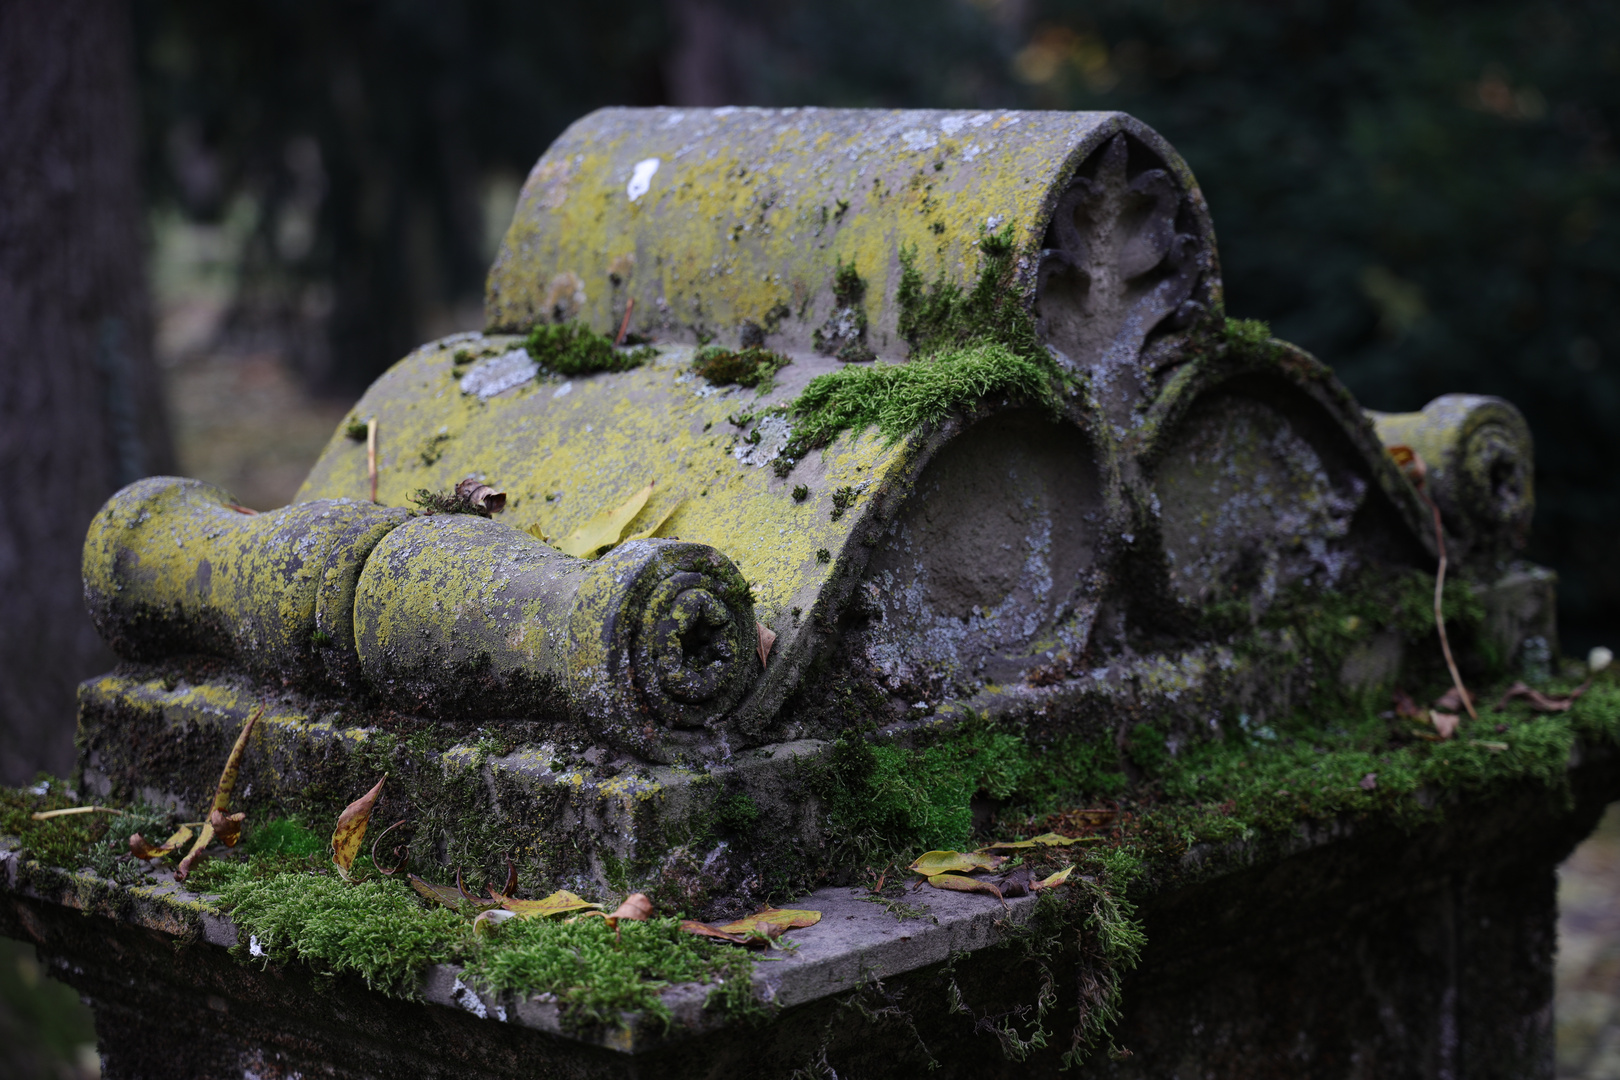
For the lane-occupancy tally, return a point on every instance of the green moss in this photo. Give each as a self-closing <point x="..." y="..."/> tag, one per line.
<point x="966" y="346"/>
<point x="576" y="349"/>
<point x="376" y="929"/>
<point x="752" y="367"/>
<point x="1252" y="333"/>
<point x="736" y="813"/>
<point x="942" y="316"/>
<point x="598" y="973"/>
<point x="99" y="841"/>
<point x="899" y="398"/>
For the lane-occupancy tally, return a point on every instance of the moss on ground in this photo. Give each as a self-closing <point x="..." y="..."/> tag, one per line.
<point x="576" y="349"/>
<point x="751" y="367"/>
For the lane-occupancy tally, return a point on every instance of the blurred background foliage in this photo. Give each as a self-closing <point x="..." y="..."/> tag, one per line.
<point x="1424" y="194"/>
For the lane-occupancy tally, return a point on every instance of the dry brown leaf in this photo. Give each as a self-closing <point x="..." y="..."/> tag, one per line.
<point x="1445" y="723"/>
<point x="946" y="862"/>
<point x="636" y="907"/>
<point x="1544" y="703"/>
<point x="204" y="838"/>
<point x="778" y="918"/>
<point x="1410" y="463"/>
<point x="767" y="638"/>
<point x="692" y="926"/>
<point x="481" y="496"/>
<point x="1405" y="706"/>
<point x="442" y="894"/>
<point x="1368" y="782"/>
<point x="46" y="815"/>
<point x="648" y="534"/>
<point x="1451" y="700"/>
<point x="227" y="827"/>
<point x="959" y="883"/>
<point x="604" y="527"/>
<point x="141" y="849"/>
<point x="558" y="903"/>
<point x="351" y="828"/>
<point x="233" y="763"/>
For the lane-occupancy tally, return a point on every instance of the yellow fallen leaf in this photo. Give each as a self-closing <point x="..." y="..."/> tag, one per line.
<point x="204" y="838"/>
<point x="233" y="763"/>
<point x="1044" y="840"/>
<point x="785" y="918"/>
<point x="604" y="528"/>
<point x="139" y="847"/>
<point x="959" y="883"/>
<point x="538" y="533"/>
<point x="648" y="534"/>
<point x="46" y="815"/>
<point x="558" y="903"/>
<point x="1055" y="879"/>
<point x="946" y="862"/>
<point x="351" y="829"/>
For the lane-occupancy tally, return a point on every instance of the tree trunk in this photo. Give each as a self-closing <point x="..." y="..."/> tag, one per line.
<point x="81" y="408"/>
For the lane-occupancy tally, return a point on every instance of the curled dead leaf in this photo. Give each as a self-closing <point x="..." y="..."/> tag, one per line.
<point x="1451" y="700"/>
<point x="692" y="926"/>
<point x="480" y="496"/>
<point x="1411" y="464"/>
<point x="1405" y="706"/>
<point x="204" y="838"/>
<point x="141" y="849"/>
<point x="233" y="763"/>
<point x="227" y="827"/>
<point x="351" y="828"/>
<point x="441" y="894"/>
<point x="961" y="883"/>
<point x="636" y="907"/>
<point x="1540" y="702"/>
<point x="947" y="862"/>
<point x="767" y="638"/>
<point x="1445" y="723"/>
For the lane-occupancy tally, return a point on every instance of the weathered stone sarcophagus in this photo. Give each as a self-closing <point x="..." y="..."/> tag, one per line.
<point x="821" y="434"/>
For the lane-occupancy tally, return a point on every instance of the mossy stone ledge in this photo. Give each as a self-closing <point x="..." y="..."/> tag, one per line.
<point x="877" y="481"/>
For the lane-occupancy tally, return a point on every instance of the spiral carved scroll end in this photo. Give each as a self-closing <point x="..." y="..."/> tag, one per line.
<point x="671" y="652"/>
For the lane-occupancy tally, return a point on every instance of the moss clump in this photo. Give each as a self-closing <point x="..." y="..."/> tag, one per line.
<point x="898" y="398"/>
<point x="844" y="333"/>
<point x="752" y="367"/>
<point x="966" y="346"/>
<point x="942" y="316"/>
<point x="598" y="973"/>
<point x="99" y="841"/>
<point x="574" y="349"/>
<point x="375" y="929"/>
<point x="1252" y="333"/>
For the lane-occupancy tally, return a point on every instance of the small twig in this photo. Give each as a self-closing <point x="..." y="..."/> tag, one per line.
<point x="624" y="325"/>
<point x="371" y="455"/>
<point x="1439" y="616"/>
